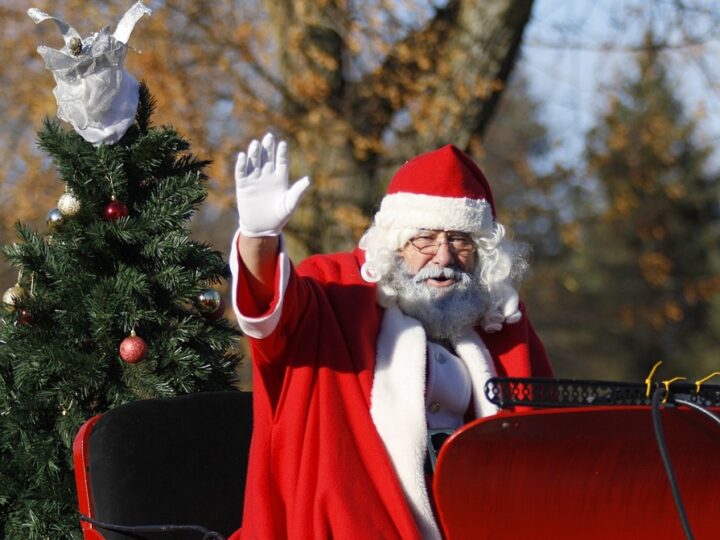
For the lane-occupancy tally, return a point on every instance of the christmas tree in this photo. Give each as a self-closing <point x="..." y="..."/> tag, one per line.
<point x="114" y="302"/>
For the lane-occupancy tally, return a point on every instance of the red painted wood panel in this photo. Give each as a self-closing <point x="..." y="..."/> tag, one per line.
<point x="581" y="473"/>
<point x="81" y="461"/>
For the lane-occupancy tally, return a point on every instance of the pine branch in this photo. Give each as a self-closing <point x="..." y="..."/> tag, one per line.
<point x="146" y="108"/>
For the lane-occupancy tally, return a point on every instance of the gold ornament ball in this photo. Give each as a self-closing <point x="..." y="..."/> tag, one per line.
<point x="75" y="45"/>
<point x="69" y="205"/>
<point x="54" y="219"/>
<point x="208" y="301"/>
<point x="12" y="297"/>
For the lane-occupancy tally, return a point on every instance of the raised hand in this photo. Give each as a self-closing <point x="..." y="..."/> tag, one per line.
<point x="265" y="199"/>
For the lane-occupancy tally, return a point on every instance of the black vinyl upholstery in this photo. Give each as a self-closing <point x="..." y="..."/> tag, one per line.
<point x="174" y="461"/>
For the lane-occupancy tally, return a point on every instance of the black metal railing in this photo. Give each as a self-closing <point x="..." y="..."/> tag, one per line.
<point x="507" y="392"/>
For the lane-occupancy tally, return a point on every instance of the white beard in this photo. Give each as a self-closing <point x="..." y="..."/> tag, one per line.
<point x="444" y="312"/>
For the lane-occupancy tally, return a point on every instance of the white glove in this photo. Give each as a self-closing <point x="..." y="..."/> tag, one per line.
<point x="265" y="202"/>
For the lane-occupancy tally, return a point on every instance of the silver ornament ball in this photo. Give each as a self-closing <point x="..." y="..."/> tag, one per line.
<point x="208" y="301"/>
<point x="69" y="205"/>
<point x="54" y="219"/>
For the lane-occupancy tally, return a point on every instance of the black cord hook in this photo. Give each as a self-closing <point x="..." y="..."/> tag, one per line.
<point x="660" y="396"/>
<point x="136" y="530"/>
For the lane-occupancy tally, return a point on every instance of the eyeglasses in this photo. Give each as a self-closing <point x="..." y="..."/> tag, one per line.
<point x="428" y="243"/>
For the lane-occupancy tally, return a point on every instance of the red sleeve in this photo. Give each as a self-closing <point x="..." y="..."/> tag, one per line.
<point x="517" y="350"/>
<point x="244" y="299"/>
<point x="540" y="364"/>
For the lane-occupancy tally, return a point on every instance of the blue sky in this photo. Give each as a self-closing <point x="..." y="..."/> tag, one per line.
<point x="575" y="52"/>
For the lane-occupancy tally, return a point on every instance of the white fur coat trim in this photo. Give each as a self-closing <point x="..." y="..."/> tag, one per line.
<point x="474" y="354"/>
<point x="398" y="402"/>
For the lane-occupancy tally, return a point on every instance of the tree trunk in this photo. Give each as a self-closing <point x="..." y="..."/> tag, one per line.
<point x="347" y="131"/>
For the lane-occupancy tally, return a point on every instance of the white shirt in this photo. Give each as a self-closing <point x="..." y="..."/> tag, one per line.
<point x="448" y="391"/>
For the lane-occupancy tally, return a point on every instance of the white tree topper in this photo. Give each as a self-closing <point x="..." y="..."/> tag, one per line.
<point x="94" y="92"/>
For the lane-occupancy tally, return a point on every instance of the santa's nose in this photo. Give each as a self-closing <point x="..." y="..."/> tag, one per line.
<point x="445" y="256"/>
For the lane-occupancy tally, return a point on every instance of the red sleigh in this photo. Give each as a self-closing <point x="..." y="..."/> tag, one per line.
<point x="586" y="465"/>
<point x="588" y="468"/>
<point x="165" y="469"/>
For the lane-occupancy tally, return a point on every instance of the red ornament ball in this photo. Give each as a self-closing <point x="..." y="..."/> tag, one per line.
<point x="24" y="317"/>
<point x="116" y="210"/>
<point x="133" y="349"/>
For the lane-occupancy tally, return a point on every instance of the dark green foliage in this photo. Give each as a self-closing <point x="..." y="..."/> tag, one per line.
<point x="648" y="264"/>
<point x="89" y="284"/>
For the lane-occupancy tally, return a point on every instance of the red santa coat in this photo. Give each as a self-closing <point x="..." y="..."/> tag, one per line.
<point x="338" y="388"/>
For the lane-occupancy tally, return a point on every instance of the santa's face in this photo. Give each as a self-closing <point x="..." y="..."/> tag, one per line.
<point x="441" y="289"/>
<point x="440" y="249"/>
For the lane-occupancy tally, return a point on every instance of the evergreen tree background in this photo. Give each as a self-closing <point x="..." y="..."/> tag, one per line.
<point x="537" y="199"/>
<point x="88" y="283"/>
<point x="646" y="264"/>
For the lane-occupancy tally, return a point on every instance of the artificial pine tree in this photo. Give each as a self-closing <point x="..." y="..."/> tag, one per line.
<point x="114" y="302"/>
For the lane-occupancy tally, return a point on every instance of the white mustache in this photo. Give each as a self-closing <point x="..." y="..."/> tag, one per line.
<point x="434" y="271"/>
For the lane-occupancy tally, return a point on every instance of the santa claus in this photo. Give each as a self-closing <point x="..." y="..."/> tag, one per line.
<point x="358" y="356"/>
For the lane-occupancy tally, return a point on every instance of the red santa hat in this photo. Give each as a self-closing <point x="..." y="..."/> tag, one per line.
<point x="443" y="189"/>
